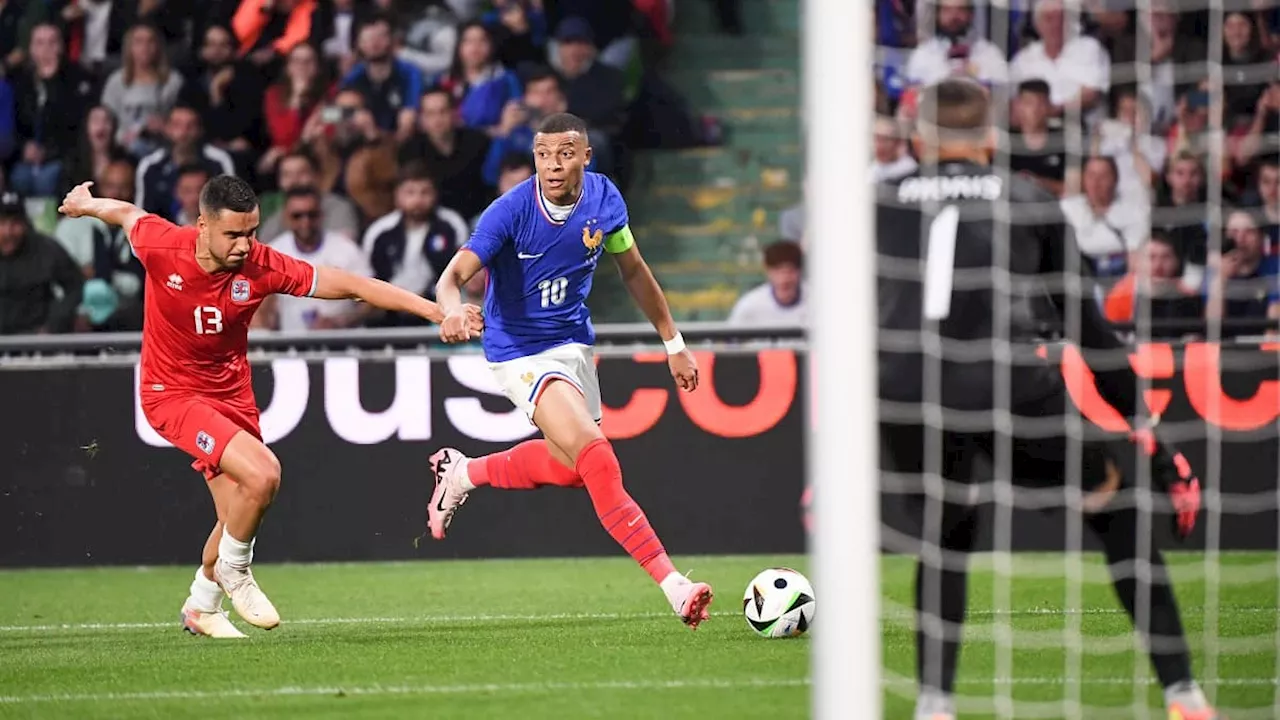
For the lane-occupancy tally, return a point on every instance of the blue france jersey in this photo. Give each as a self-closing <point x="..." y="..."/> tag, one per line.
<point x="540" y="270"/>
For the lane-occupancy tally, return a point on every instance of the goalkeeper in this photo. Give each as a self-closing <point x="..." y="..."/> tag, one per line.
<point x="946" y="306"/>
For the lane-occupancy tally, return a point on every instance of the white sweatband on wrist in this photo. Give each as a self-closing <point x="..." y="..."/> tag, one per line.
<point x="675" y="344"/>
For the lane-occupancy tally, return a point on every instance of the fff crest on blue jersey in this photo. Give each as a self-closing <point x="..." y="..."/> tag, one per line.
<point x="592" y="235"/>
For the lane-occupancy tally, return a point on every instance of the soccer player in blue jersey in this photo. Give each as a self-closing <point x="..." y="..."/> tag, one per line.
<point x="541" y="242"/>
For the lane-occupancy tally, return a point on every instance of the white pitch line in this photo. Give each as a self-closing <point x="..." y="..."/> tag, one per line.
<point x="548" y="687"/>
<point x="897" y="612"/>
<point x="487" y="688"/>
<point x="424" y="620"/>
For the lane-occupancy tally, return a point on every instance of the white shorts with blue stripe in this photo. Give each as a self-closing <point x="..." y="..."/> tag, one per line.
<point x="523" y="380"/>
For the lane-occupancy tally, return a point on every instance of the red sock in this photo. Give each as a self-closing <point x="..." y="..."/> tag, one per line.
<point x="621" y="517"/>
<point x="523" y="467"/>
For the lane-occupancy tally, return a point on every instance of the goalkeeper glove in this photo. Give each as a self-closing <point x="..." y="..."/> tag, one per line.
<point x="1182" y="485"/>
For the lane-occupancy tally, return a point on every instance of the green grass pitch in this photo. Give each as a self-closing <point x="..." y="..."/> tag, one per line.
<point x="584" y="639"/>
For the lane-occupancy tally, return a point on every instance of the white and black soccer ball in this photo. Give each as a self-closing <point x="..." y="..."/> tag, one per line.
<point x="779" y="603"/>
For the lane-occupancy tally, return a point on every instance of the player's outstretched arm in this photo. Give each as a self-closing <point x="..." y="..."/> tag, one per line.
<point x="335" y="284"/>
<point x="648" y="295"/>
<point x="80" y="202"/>
<point x="464" y="266"/>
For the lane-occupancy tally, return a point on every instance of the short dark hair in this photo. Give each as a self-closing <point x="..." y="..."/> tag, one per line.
<point x="414" y="171"/>
<point x="1035" y="86"/>
<point x="299" y="154"/>
<point x="539" y="73"/>
<point x="562" y="123"/>
<point x="783" y="252"/>
<point x="193" y="169"/>
<point x="1107" y="160"/>
<point x="514" y="161"/>
<point x="227" y="192"/>
<point x="305" y="191"/>
<point x="957" y="106"/>
<point x="438" y="90"/>
<point x="185" y="107"/>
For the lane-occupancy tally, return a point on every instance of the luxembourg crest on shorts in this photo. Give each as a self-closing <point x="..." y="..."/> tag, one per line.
<point x="239" y="291"/>
<point x="205" y="442"/>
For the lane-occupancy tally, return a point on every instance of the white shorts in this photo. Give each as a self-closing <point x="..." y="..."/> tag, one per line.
<point x="523" y="379"/>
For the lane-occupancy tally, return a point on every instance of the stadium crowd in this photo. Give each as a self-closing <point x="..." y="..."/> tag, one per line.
<point x="1160" y="139"/>
<point x="376" y="130"/>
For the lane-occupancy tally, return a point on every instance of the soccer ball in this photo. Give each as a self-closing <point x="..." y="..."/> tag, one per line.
<point x="779" y="603"/>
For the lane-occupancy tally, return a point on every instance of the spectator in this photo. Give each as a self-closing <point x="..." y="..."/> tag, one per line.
<point x="593" y="89"/>
<point x="39" y="281"/>
<point x="890" y="159"/>
<point x="308" y="240"/>
<point x="158" y="172"/>
<point x="142" y="91"/>
<point x="454" y="154"/>
<point x="52" y="99"/>
<point x="1262" y="136"/>
<point x="89" y="22"/>
<point x="519" y="27"/>
<point x="955" y="49"/>
<point x="430" y="39"/>
<point x="1107" y="230"/>
<point x="391" y="87"/>
<point x="17" y="19"/>
<point x="1076" y="69"/>
<point x="1152" y="285"/>
<point x="1191" y="131"/>
<point x="610" y="23"/>
<point x="544" y="96"/>
<point x="186" y="194"/>
<point x="353" y="154"/>
<point x="94" y="149"/>
<point x="780" y="301"/>
<point x="269" y="29"/>
<point x="1242" y="280"/>
<point x="300" y="92"/>
<point x="298" y="170"/>
<point x="487" y="93"/>
<point x="1036" y="151"/>
<point x="1180" y="212"/>
<point x="114" y="277"/>
<point x="412" y="245"/>
<point x="1265" y="196"/>
<point x="1247" y="66"/>
<point x="513" y="169"/>
<point x="1126" y="139"/>
<point x="221" y="88"/>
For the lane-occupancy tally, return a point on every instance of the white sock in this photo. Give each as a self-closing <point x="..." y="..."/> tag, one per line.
<point x="672" y="581"/>
<point x="206" y="596"/>
<point x="463" y="478"/>
<point x="233" y="552"/>
<point x="1187" y="692"/>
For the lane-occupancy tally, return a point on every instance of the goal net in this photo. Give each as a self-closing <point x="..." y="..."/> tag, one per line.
<point x="1153" y="123"/>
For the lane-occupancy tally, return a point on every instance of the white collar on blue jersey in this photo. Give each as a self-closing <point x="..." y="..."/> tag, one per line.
<point x="550" y="210"/>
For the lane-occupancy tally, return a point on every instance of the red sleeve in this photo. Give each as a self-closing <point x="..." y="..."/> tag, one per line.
<point x="152" y="231"/>
<point x="283" y="274"/>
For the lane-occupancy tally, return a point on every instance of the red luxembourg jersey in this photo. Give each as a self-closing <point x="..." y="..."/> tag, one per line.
<point x="195" y="330"/>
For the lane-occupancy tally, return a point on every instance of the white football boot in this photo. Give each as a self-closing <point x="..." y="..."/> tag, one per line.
<point x="246" y="597"/>
<point x="214" y="624"/>
<point x="446" y="467"/>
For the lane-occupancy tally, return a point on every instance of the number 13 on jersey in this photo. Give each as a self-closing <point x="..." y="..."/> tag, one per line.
<point x="208" y="320"/>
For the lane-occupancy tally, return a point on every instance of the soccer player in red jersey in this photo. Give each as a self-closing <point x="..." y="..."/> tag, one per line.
<point x="203" y="285"/>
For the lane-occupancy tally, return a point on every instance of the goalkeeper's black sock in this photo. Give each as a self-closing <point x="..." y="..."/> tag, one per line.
<point x="1163" y="634"/>
<point x="941" y="596"/>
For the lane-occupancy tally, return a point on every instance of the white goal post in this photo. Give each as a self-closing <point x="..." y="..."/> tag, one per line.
<point x="843" y="445"/>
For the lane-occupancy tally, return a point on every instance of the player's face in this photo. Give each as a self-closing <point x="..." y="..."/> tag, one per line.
<point x="229" y="236"/>
<point x="785" y="282"/>
<point x="561" y="160"/>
